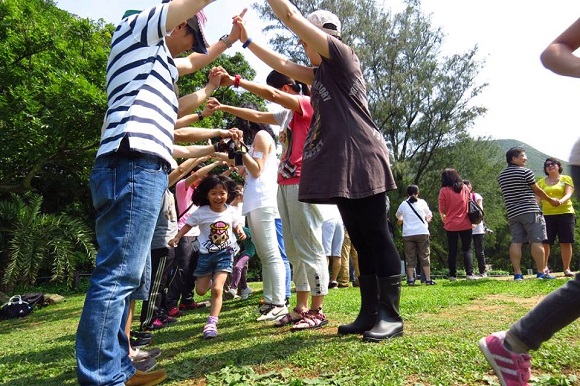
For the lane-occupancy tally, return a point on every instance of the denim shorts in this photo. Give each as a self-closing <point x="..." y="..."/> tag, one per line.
<point x="528" y="228"/>
<point x="210" y="263"/>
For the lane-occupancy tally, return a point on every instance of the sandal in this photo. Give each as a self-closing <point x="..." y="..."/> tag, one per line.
<point x="312" y="320"/>
<point x="146" y="365"/>
<point x="288" y="319"/>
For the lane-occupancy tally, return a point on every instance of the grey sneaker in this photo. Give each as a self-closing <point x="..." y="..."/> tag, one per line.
<point x="472" y="277"/>
<point x="246" y="292"/>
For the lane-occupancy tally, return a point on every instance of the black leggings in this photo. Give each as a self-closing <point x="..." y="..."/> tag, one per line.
<point x="366" y="222"/>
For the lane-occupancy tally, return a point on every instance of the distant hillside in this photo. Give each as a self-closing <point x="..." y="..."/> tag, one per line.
<point x="535" y="157"/>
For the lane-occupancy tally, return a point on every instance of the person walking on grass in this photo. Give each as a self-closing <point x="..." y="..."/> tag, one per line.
<point x="508" y="352"/>
<point x="217" y="222"/>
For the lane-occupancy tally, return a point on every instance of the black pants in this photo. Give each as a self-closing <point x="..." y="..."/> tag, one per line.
<point x="183" y="281"/>
<point x="366" y="222"/>
<point x="479" y="251"/>
<point x="452" y="240"/>
<point x="161" y="265"/>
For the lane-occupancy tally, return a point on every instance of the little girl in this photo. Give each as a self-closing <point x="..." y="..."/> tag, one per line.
<point x="217" y="222"/>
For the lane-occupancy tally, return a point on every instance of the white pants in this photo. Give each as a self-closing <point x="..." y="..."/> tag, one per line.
<point x="262" y="223"/>
<point x="302" y="227"/>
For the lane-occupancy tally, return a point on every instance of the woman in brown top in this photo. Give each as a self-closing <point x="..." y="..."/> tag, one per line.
<point x="345" y="161"/>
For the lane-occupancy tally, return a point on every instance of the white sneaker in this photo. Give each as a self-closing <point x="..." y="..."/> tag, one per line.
<point x="231" y="294"/>
<point x="472" y="277"/>
<point x="274" y="313"/>
<point x="234" y="293"/>
<point x="246" y="292"/>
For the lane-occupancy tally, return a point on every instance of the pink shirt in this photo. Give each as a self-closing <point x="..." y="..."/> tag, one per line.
<point x="292" y="139"/>
<point x="183" y="196"/>
<point x="454" y="206"/>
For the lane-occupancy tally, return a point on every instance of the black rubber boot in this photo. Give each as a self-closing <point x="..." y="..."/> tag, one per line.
<point x="369" y="304"/>
<point x="389" y="323"/>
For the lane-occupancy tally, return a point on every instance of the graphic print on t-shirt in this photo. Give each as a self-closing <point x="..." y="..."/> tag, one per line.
<point x="218" y="237"/>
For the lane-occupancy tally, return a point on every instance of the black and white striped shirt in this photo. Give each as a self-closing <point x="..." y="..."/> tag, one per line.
<point x="515" y="184"/>
<point x="141" y="74"/>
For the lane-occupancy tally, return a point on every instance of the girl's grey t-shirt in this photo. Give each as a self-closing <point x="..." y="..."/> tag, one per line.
<point x="345" y="155"/>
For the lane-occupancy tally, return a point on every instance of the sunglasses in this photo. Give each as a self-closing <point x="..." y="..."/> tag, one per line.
<point x="549" y="164"/>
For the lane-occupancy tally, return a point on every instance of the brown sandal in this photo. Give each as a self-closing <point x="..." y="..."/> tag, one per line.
<point x="288" y="319"/>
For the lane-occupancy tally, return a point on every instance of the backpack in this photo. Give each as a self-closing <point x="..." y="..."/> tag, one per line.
<point x="474" y="211"/>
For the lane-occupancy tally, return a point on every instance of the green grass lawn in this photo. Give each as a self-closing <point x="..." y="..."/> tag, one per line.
<point x="442" y="326"/>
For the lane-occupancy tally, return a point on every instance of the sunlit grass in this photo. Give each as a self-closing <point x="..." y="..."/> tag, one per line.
<point x="442" y="326"/>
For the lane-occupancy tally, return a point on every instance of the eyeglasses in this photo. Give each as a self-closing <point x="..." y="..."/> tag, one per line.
<point x="550" y="164"/>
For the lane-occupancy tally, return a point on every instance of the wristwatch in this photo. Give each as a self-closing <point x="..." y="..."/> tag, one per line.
<point x="226" y="40"/>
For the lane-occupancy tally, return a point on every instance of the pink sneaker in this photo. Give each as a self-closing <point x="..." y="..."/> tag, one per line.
<point x="511" y="368"/>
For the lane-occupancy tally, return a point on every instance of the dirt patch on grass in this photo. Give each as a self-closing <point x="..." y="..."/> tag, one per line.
<point x="493" y="303"/>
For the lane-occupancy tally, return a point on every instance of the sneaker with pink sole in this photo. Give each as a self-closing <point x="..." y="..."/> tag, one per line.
<point x="511" y="368"/>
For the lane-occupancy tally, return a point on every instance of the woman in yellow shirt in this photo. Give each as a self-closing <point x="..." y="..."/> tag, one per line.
<point x="560" y="220"/>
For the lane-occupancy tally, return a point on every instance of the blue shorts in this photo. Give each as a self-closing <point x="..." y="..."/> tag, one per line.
<point x="210" y="263"/>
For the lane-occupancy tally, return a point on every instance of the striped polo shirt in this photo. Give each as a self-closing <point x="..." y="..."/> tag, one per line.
<point x="515" y="184"/>
<point x="141" y="101"/>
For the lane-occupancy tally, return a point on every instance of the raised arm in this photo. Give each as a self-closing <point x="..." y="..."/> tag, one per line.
<point x="306" y="31"/>
<point x="184" y="168"/>
<point x="196" y="61"/>
<point x="202" y="172"/>
<point x="248" y="114"/>
<point x="559" y="55"/>
<point x="190" y="102"/>
<point x="196" y="134"/>
<point x="193" y="151"/>
<point x="278" y="62"/>
<point x="179" y="11"/>
<point x="269" y="93"/>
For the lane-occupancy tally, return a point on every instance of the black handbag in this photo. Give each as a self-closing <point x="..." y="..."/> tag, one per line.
<point x="15" y="308"/>
<point x="474" y="211"/>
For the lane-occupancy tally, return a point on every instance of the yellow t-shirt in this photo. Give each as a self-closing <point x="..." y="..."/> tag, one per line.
<point x="556" y="191"/>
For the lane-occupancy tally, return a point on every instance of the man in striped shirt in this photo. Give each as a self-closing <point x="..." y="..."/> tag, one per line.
<point x="519" y="189"/>
<point x="130" y="177"/>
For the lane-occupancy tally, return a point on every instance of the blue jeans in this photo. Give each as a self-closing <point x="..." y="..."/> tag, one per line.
<point x="127" y="192"/>
<point x="280" y="236"/>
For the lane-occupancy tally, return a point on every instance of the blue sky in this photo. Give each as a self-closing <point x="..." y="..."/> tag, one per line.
<point x="525" y="101"/>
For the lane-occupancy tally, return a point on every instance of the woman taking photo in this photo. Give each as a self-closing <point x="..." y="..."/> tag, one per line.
<point x="453" y="204"/>
<point x="301" y="222"/>
<point x="560" y="220"/>
<point x="259" y="204"/>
